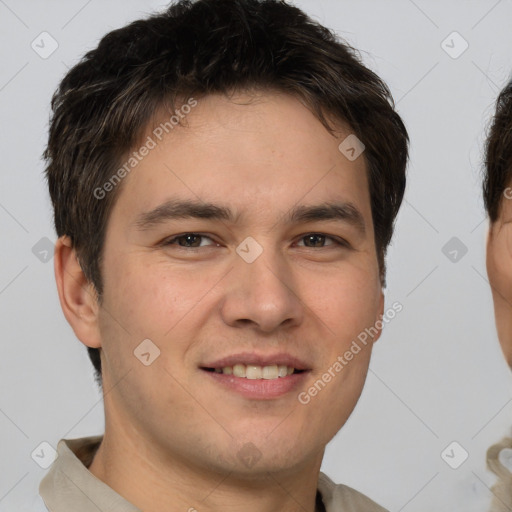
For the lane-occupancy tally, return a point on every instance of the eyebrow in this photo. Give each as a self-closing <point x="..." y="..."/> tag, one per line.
<point x="187" y="209"/>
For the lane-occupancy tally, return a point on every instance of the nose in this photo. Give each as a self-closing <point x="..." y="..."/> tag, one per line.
<point x="262" y="295"/>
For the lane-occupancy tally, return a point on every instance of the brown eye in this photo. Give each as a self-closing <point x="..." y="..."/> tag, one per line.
<point x="315" y="240"/>
<point x="318" y="240"/>
<point x="189" y="240"/>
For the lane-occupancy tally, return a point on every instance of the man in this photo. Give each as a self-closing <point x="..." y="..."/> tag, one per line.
<point x="497" y="199"/>
<point x="225" y="178"/>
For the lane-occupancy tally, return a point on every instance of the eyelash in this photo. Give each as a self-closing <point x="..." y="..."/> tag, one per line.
<point x="338" y="241"/>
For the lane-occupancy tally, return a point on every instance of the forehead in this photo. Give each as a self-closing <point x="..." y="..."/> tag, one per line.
<point x="250" y="151"/>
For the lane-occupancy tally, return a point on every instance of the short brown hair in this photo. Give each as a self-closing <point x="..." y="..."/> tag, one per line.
<point x="196" y="48"/>
<point x="498" y="154"/>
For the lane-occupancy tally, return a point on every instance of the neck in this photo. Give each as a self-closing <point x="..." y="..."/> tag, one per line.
<point x="152" y="482"/>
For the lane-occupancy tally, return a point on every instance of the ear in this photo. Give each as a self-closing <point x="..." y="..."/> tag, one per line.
<point x="379" y="316"/>
<point x="78" y="297"/>
<point x="499" y="271"/>
<point x="498" y="256"/>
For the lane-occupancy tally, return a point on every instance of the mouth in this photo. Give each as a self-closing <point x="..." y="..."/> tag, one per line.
<point x="258" y="377"/>
<point x="255" y="372"/>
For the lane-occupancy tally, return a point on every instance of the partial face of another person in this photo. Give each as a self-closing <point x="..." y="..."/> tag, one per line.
<point x="275" y="266"/>
<point x="499" y="269"/>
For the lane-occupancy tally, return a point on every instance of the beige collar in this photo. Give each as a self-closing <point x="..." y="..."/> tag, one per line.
<point x="69" y="485"/>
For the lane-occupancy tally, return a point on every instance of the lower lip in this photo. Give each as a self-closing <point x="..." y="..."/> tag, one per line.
<point x="259" y="389"/>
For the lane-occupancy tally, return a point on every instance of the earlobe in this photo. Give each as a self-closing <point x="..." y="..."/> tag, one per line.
<point x="78" y="298"/>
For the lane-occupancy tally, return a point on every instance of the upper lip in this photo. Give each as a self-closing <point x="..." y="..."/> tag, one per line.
<point x="253" y="358"/>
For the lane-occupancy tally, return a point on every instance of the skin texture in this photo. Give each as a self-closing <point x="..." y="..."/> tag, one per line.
<point x="499" y="270"/>
<point x="172" y="435"/>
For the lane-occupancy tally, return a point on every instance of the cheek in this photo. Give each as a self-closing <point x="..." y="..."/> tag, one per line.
<point x="346" y="310"/>
<point x="499" y="261"/>
<point x="152" y="299"/>
<point x="347" y="302"/>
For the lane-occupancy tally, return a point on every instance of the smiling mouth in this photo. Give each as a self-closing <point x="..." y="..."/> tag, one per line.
<point x="254" y="372"/>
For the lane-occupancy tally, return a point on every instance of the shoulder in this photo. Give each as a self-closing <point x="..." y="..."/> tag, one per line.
<point x="499" y="461"/>
<point x="338" y="497"/>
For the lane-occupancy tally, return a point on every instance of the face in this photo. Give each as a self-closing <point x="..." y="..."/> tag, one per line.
<point x="223" y="252"/>
<point x="499" y="270"/>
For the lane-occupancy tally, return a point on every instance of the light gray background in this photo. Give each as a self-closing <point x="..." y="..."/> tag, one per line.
<point x="437" y="374"/>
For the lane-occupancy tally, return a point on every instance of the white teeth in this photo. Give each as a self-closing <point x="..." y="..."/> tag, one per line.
<point x="254" y="372"/>
<point x="270" y="372"/>
<point x="239" y="370"/>
<point x="283" y="370"/>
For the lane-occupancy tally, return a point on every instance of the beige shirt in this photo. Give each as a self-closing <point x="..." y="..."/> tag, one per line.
<point x="70" y="486"/>
<point x="499" y="461"/>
